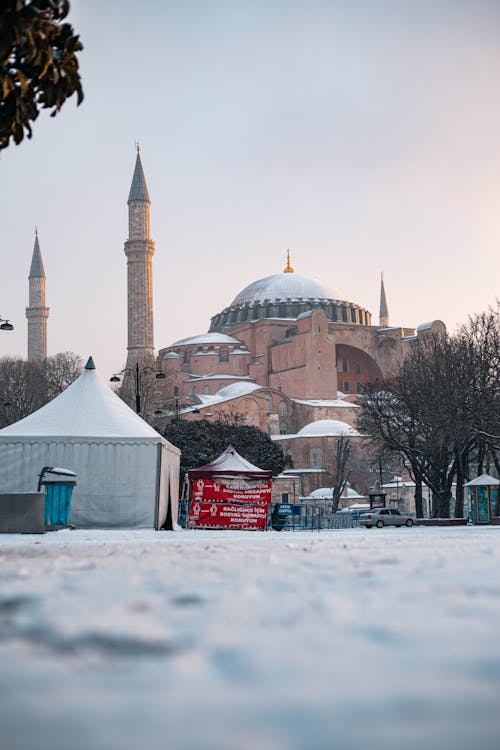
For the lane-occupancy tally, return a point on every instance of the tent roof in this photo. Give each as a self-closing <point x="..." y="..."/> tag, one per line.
<point x="87" y="408"/>
<point x="231" y="463"/>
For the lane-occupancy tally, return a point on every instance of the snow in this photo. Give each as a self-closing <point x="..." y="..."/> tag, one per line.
<point x="208" y="338"/>
<point x="284" y="286"/>
<point x="485" y="480"/>
<point x="198" y="640"/>
<point x="326" y="427"/>
<point x="323" y="402"/>
<point x="241" y="388"/>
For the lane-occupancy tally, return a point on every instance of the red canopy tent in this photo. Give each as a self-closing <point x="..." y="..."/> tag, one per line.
<point x="229" y="493"/>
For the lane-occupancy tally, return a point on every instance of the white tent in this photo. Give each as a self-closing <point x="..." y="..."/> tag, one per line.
<point x="126" y="472"/>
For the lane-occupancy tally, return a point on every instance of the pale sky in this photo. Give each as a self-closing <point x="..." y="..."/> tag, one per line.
<point x="362" y="134"/>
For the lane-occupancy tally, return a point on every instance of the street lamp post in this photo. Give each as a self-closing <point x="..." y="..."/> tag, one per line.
<point x="5" y="325"/>
<point x="137" y="372"/>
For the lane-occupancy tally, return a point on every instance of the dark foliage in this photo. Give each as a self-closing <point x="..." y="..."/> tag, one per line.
<point x="203" y="441"/>
<point x="38" y="64"/>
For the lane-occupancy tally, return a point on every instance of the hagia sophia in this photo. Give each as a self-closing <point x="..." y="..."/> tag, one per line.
<point x="287" y="354"/>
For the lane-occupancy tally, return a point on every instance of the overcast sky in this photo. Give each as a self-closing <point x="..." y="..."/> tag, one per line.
<point x="362" y="134"/>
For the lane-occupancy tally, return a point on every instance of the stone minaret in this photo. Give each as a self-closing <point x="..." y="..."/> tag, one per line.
<point x="384" y="312"/>
<point x="37" y="313"/>
<point x="139" y="249"/>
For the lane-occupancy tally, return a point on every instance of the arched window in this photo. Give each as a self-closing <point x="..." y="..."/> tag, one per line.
<point x="269" y="400"/>
<point x="283" y="409"/>
<point x="347" y="387"/>
<point x="316" y="458"/>
<point x="223" y="355"/>
<point x="206" y="390"/>
<point x="359" y="387"/>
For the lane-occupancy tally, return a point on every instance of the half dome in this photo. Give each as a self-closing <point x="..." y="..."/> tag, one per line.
<point x="327" y="428"/>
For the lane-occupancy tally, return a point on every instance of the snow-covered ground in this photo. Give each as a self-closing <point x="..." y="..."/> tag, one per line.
<point x="339" y="640"/>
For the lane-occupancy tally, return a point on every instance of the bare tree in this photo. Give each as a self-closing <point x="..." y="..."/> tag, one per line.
<point x="442" y="409"/>
<point x="27" y="386"/>
<point x="341" y="471"/>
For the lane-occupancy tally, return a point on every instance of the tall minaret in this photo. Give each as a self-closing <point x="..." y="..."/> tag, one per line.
<point x="139" y="249"/>
<point x="384" y="312"/>
<point x="37" y="313"/>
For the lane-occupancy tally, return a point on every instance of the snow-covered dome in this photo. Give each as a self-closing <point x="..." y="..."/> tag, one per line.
<point x="282" y="286"/>
<point x="287" y="295"/>
<point x="327" y="428"/>
<point x="241" y="388"/>
<point x="208" y="338"/>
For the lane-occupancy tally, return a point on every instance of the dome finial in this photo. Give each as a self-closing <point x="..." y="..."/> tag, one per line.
<point x="288" y="268"/>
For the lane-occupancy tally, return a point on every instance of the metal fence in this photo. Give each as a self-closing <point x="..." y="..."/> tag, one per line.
<point x="298" y="517"/>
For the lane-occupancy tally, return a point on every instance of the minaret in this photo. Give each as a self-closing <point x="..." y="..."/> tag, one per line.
<point x="384" y="312"/>
<point x="139" y="249"/>
<point x="37" y="313"/>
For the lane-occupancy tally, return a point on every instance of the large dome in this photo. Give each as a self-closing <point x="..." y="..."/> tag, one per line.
<point x="285" y="296"/>
<point x="283" y="286"/>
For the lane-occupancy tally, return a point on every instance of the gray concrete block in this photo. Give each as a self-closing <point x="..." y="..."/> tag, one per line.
<point x="22" y="513"/>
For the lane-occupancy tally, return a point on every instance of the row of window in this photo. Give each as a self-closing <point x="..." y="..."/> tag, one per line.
<point x="347" y="387"/>
<point x="343" y="366"/>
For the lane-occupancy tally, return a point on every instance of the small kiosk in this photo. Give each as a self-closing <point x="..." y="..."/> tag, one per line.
<point x="229" y="493"/>
<point x="377" y="497"/>
<point x="483" y="495"/>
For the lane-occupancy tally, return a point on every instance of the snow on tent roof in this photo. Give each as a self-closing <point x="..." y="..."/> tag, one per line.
<point x="87" y="408"/>
<point x="230" y="462"/>
<point x="327" y="427"/>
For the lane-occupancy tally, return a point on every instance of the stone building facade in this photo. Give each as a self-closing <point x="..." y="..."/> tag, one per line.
<point x="285" y="354"/>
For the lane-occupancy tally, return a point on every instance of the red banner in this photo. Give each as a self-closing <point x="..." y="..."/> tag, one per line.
<point x="227" y="515"/>
<point x="212" y="489"/>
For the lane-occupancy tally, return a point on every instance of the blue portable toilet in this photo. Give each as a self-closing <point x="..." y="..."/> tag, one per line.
<point x="58" y="493"/>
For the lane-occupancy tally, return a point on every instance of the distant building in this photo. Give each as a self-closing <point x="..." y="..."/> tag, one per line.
<point x="287" y="352"/>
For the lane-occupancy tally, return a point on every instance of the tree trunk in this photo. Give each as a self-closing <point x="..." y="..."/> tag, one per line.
<point x="441" y="504"/>
<point x="459" y="492"/>
<point x="419" y="505"/>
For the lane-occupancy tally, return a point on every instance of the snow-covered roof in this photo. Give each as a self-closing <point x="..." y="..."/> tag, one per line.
<point x="208" y="338"/>
<point x="282" y="286"/>
<point x="482" y="481"/>
<point x="218" y="376"/>
<point x="337" y="402"/>
<point x="326" y="492"/>
<point x="241" y="388"/>
<point x="87" y="408"/>
<point x="327" y="427"/>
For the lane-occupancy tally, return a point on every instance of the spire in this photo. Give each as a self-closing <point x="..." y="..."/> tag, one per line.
<point x="37" y="270"/>
<point x="384" y="312"/>
<point x="138" y="189"/>
<point x="288" y="268"/>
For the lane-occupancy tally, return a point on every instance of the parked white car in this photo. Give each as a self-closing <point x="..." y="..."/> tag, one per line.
<point x="385" y="517"/>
